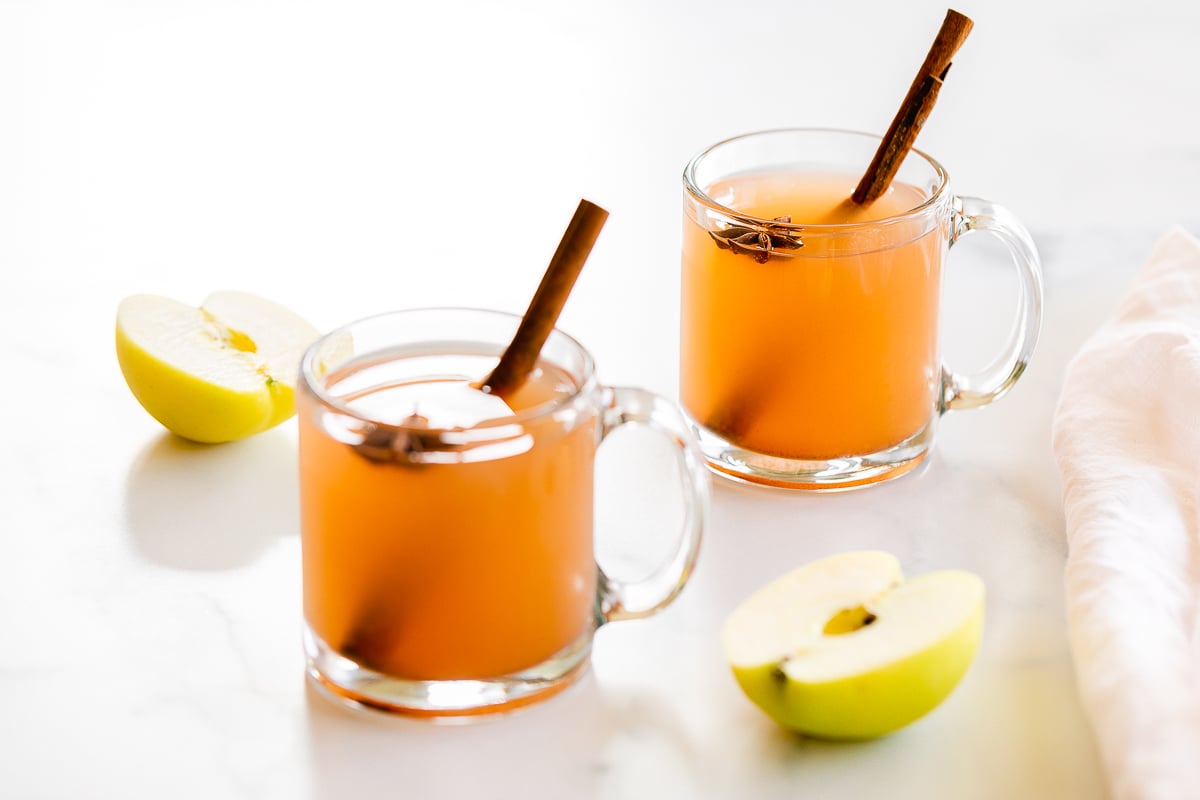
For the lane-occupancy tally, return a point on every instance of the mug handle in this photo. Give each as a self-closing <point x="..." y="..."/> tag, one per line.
<point x="618" y="599"/>
<point x="993" y="381"/>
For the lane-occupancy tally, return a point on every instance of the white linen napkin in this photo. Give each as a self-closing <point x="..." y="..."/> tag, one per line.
<point x="1127" y="441"/>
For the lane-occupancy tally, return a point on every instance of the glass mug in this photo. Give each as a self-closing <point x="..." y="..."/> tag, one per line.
<point x="809" y="325"/>
<point x="450" y="570"/>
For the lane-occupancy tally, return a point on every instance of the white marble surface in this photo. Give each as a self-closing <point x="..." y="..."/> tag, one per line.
<point x="349" y="157"/>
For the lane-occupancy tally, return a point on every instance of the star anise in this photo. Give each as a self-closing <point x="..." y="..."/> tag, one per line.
<point x="762" y="241"/>
<point x="388" y="444"/>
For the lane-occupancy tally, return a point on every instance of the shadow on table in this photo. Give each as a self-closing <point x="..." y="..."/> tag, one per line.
<point x="589" y="742"/>
<point x="556" y="745"/>
<point x="212" y="507"/>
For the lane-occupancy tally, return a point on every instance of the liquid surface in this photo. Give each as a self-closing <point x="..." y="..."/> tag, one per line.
<point x="811" y="197"/>
<point x="441" y="389"/>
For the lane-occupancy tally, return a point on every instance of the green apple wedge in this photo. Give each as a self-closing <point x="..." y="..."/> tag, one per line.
<point x="217" y="373"/>
<point x="845" y="648"/>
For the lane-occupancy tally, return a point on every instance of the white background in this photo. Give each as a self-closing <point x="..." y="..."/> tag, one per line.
<point x="346" y="158"/>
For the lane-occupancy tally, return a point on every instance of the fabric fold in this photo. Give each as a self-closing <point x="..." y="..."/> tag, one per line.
<point x="1127" y="441"/>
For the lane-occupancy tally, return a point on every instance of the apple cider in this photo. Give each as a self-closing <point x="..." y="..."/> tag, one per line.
<point x="824" y="346"/>
<point x="459" y="544"/>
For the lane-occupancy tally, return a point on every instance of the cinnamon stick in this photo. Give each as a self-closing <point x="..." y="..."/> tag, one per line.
<point x="522" y="353"/>
<point x="922" y="94"/>
<point x="734" y="416"/>
<point x="366" y="641"/>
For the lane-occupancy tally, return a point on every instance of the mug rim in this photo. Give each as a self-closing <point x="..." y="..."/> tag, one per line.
<point x="314" y="380"/>
<point x="701" y="196"/>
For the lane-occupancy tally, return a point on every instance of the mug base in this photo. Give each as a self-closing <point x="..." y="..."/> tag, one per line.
<point x="356" y="686"/>
<point x="730" y="461"/>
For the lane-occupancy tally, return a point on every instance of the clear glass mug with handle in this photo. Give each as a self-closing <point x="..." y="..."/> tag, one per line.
<point x="447" y="544"/>
<point x="809" y="325"/>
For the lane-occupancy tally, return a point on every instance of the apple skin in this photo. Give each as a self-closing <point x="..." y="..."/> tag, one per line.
<point x="870" y="704"/>
<point x="845" y="648"/>
<point x="195" y="408"/>
<point x="222" y="402"/>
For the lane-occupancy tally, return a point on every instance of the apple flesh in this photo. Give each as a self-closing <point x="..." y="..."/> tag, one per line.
<point x="217" y="373"/>
<point x="844" y="648"/>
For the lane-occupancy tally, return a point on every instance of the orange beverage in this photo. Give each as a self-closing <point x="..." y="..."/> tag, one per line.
<point x="447" y="532"/>
<point x="461" y="546"/>
<point x="809" y="324"/>
<point x="823" y="343"/>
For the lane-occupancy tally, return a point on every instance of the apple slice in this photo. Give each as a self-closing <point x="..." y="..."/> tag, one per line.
<point x="221" y="372"/>
<point x="844" y="648"/>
